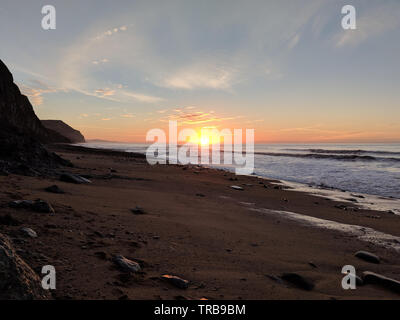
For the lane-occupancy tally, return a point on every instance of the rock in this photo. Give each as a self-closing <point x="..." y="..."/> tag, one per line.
<point x="385" y="282"/>
<point x="42" y="206"/>
<point x="22" y="133"/>
<point x="37" y="205"/>
<point x="367" y="256"/>
<point x="54" y="189"/>
<point x="29" y="232"/>
<point x="138" y="210"/>
<point x="73" y="178"/>
<point x="126" y="264"/>
<point x="298" y="280"/>
<point x="176" y="281"/>
<point x="24" y="204"/>
<point x="237" y="188"/>
<point x="17" y="280"/>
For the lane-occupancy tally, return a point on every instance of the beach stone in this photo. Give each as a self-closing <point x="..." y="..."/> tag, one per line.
<point x="126" y="264"/>
<point x="73" y="178"/>
<point x="138" y="210"/>
<point x="367" y="256"/>
<point x="237" y="188"/>
<point x="17" y="280"/>
<point x="176" y="281"/>
<point x="24" y="204"/>
<point x="42" y="206"/>
<point x="55" y="189"/>
<point x="37" y="205"/>
<point x="29" y="232"/>
<point x="385" y="282"/>
<point x="298" y="280"/>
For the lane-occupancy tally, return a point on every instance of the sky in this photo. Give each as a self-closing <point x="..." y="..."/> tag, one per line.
<point x="287" y="69"/>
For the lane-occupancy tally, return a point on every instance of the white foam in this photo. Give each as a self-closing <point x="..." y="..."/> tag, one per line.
<point x="362" y="233"/>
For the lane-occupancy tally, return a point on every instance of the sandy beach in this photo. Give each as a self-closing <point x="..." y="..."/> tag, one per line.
<point x="229" y="244"/>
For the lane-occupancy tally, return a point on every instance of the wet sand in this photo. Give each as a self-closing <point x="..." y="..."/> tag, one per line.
<point x="226" y="242"/>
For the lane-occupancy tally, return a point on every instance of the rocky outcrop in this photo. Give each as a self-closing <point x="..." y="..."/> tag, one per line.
<point x="17" y="112"/>
<point x="74" y="136"/>
<point x="22" y="133"/>
<point x="17" y="280"/>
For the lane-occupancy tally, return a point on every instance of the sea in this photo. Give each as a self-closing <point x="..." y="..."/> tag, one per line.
<point x="371" y="169"/>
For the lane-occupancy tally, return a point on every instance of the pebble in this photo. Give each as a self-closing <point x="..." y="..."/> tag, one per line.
<point x="176" y="281"/>
<point x="126" y="264"/>
<point x="29" y="232"/>
<point x="367" y="256"/>
<point x="388" y="283"/>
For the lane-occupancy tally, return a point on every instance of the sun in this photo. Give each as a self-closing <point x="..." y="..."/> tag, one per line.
<point x="205" y="140"/>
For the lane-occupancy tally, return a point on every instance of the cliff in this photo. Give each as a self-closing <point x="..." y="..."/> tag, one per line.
<point x="74" y="136"/>
<point x="22" y="133"/>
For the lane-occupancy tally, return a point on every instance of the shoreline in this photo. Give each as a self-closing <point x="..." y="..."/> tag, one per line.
<point x="380" y="203"/>
<point x="194" y="226"/>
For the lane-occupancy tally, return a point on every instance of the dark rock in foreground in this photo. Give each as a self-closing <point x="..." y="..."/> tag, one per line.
<point x="298" y="280"/>
<point x="17" y="280"/>
<point x="367" y="256"/>
<point x="176" y="281"/>
<point x="37" y="205"/>
<point x="126" y="265"/>
<point x="55" y="189"/>
<point x="29" y="232"/>
<point x="138" y="210"/>
<point x="385" y="282"/>
<point x="73" y="178"/>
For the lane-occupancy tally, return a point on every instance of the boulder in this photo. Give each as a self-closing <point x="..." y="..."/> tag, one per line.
<point x="17" y="280"/>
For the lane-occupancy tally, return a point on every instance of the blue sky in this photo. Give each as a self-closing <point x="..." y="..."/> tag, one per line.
<point x="285" y="68"/>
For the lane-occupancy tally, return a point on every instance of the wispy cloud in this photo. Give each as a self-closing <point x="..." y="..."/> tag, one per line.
<point x="184" y="117"/>
<point x="142" y="97"/>
<point x="200" y="77"/>
<point x="34" y="90"/>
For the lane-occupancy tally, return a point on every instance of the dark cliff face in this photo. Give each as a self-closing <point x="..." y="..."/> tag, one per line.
<point x="17" y="111"/>
<point x="74" y="136"/>
<point x="22" y="133"/>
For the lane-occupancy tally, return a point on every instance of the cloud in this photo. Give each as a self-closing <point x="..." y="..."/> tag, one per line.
<point x="200" y="77"/>
<point x="142" y="97"/>
<point x="294" y="41"/>
<point x="194" y="117"/>
<point x="34" y="90"/>
<point x="105" y="92"/>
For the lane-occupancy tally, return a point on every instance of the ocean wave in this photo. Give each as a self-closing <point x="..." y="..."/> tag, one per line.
<point x="347" y="151"/>
<point x="344" y="157"/>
